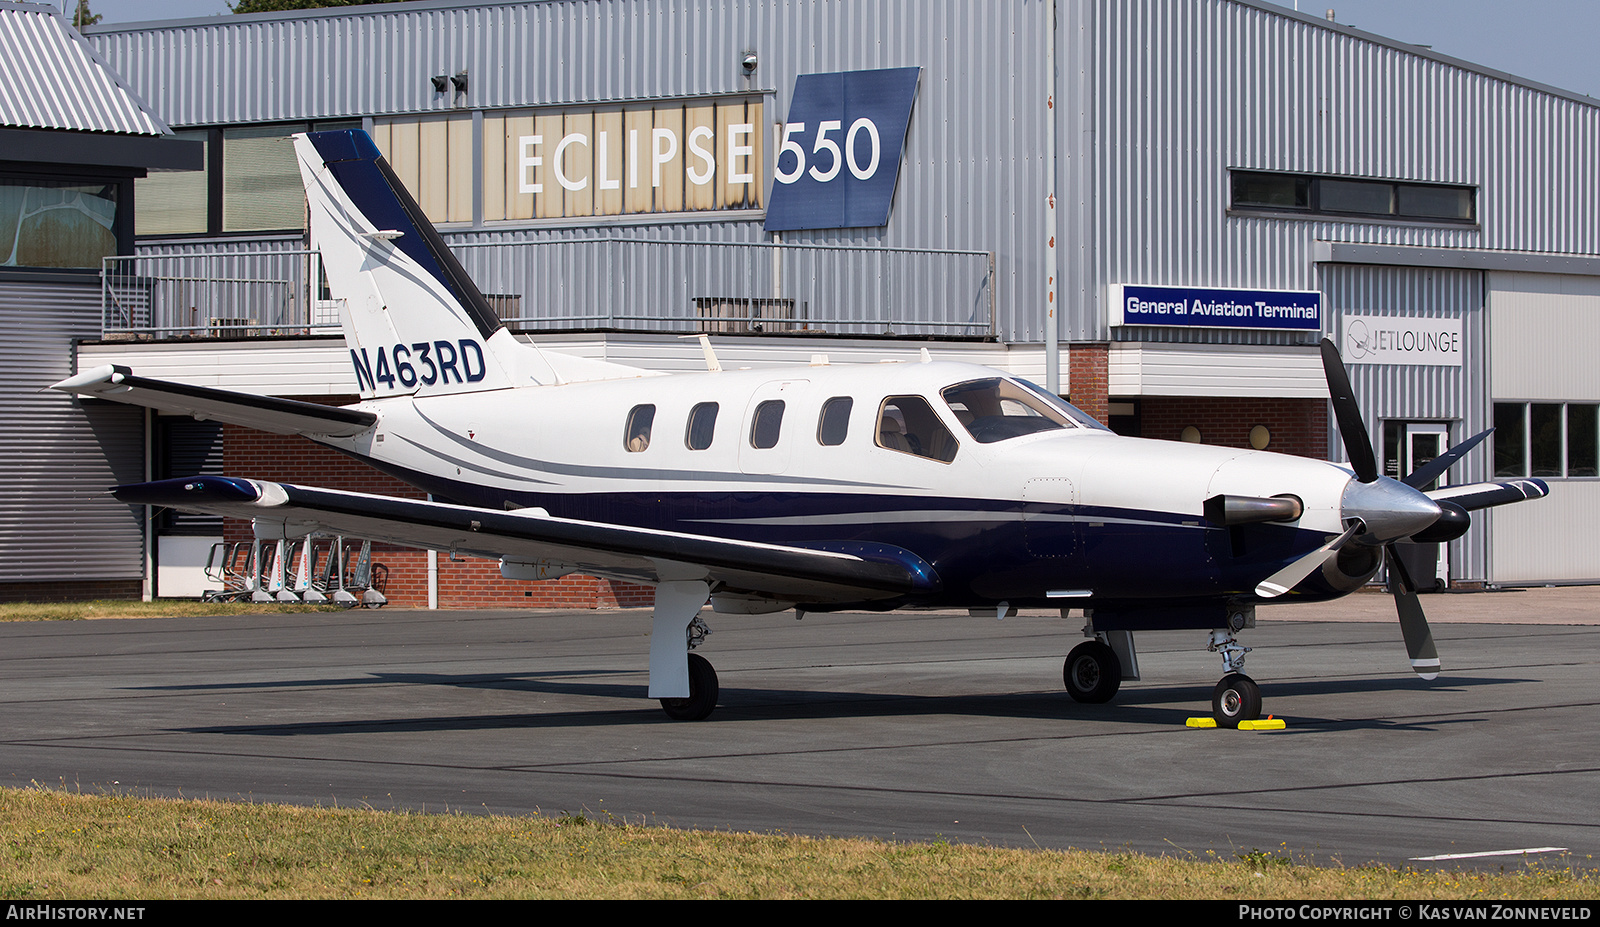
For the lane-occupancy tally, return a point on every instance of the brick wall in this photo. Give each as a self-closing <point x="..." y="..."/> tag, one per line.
<point x="1298" y="426"/>
<point x="466" y="583"/>
<point x="1088" y="380"/>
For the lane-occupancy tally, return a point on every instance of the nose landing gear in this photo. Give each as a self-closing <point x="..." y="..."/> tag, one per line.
<point x="1237" y="697"/>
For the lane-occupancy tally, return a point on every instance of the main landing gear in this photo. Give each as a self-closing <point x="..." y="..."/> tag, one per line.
<point x="1092" y="673"/>
<point x="702" y="693"/>
<point x="683" y="681"/>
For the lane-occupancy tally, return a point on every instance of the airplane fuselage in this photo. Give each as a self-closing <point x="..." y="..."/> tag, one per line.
<point x="1066" y="516"/>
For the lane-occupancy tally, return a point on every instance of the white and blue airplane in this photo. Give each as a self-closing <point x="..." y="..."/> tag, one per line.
<point x="820" y="488"/>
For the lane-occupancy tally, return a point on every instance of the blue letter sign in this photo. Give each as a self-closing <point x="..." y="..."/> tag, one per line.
<point x="1207" y="307"/>
<point x="839" y="157"/>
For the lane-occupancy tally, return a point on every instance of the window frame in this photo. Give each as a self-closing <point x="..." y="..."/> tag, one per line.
<point x="636" y="427"/>
<point x="49" y="175"/>
<point x="1526" y="439"/>
<point x="1315" y="207"/>
<point x="952" y="442"/>
<point x="689" y="423"/>
<point x="822" y="420"/>
<point x="759" y="418"/>
<point x="214" y="172"/>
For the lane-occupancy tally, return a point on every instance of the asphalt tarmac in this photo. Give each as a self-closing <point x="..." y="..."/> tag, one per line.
<point x="903" y="727"/>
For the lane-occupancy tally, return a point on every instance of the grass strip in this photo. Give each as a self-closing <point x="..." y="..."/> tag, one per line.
<point x="160" y="608"/>
<point x="60" y="845"/>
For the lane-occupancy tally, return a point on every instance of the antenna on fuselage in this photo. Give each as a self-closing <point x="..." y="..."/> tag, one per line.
<point x="712" y="364"/>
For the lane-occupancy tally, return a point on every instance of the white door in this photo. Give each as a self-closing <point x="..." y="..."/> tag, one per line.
<point x="1424" y="442"/>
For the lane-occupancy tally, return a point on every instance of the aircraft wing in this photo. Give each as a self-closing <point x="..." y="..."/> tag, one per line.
<point x="265" y="413"/>
<point x="839" y="573"/>
<point x="1474" y="496"/>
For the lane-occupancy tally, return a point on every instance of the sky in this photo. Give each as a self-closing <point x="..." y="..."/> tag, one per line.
<point x="1549" y="41"/>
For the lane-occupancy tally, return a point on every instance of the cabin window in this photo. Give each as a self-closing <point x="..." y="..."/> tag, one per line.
<point x="995" y="409"/>
<point x="834" y="422"/>
<point x="640" y="418"/>
<point x="766" y="424"/>
<point x="909" y="425"/>
<point x="702" y="424"/>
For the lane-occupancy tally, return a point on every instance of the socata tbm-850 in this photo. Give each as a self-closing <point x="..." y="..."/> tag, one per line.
<point x="818" y="488"/>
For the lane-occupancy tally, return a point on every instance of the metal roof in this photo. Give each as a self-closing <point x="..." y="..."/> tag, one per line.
<point x="56" y="80"/>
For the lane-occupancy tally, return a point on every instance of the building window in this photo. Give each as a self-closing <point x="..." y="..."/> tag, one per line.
<point x="627" y="159"/>
<point x="432" y="156"/>
<point x="1341" y="197"/>
<point x="1547" y="439"/>
<point x="175" y="202"/>
<point x="250" y="184"/>
<point x="59" y="223"/>
<point x="261" y="186"/>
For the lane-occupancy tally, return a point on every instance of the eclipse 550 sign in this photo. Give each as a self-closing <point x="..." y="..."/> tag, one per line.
<point x="838" y="159"/>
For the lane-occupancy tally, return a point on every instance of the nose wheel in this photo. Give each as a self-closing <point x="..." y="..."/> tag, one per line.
<point x="1236" y="698"/>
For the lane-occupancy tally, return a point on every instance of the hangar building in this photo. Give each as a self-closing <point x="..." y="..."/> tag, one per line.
<point x="1155" y="207"/>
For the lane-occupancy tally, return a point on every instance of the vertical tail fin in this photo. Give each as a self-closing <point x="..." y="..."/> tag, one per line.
<point x="414" y="321"/>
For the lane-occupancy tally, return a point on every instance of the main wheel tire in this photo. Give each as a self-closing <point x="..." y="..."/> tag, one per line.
<point x="702" y="693"/>
<point x="1092" y="673"/>
<point x="1236" y="698"/>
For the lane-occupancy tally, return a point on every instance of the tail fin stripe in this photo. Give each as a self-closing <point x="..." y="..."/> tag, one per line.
<point x="375" y="190"/>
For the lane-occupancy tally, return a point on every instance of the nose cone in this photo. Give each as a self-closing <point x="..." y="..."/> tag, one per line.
<point x="1390" y="508"/>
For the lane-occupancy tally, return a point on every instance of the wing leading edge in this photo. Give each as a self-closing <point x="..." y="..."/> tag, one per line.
<point x="836" y="573"/>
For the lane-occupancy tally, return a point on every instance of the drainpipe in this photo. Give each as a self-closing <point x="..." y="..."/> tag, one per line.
<point x="147" y="590"/>
<point x="1052" y="322"/>
<point x="433" y="574"/>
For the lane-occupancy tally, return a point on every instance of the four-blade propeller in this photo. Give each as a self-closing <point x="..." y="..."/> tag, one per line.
<point x="1379" y="510"/>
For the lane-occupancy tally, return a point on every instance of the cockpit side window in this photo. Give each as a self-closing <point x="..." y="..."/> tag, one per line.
<point x="909" y="425"/>
<point x="995" y="409"/>
<point x="637" y="436"/>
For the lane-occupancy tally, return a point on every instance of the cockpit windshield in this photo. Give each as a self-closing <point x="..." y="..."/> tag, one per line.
<point x="996" y="408"/>
<point x="1076" y="414"/>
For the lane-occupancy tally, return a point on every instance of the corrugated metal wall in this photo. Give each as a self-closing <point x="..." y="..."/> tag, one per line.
<point x="1180" y="93"/>
<point x="56" y="522"/>
<point x="1158" y="100"/>
<point x="973" y="172"/>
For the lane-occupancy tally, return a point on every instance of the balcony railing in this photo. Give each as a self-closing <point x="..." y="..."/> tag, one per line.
<point x="584" y="284"/>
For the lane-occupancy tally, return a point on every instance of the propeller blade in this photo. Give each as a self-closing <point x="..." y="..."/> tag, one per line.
<point x="1475" y="496"/>
<point x="1413" y="623"/>
<point x="1290" y="576"/>
<point x="1435" y="468"/>
<point x="1357" y="443"/>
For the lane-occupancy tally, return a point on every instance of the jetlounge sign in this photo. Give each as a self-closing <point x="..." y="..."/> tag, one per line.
<point x="1372" y="339"/>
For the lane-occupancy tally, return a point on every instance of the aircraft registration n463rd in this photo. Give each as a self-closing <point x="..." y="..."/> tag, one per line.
<point x="819" y="488"/>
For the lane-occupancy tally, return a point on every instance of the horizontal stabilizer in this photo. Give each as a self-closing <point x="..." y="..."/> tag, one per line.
<point x="1474" y="496"/>
<point x="841" y="574"/>
<point x="266" y="413"/>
